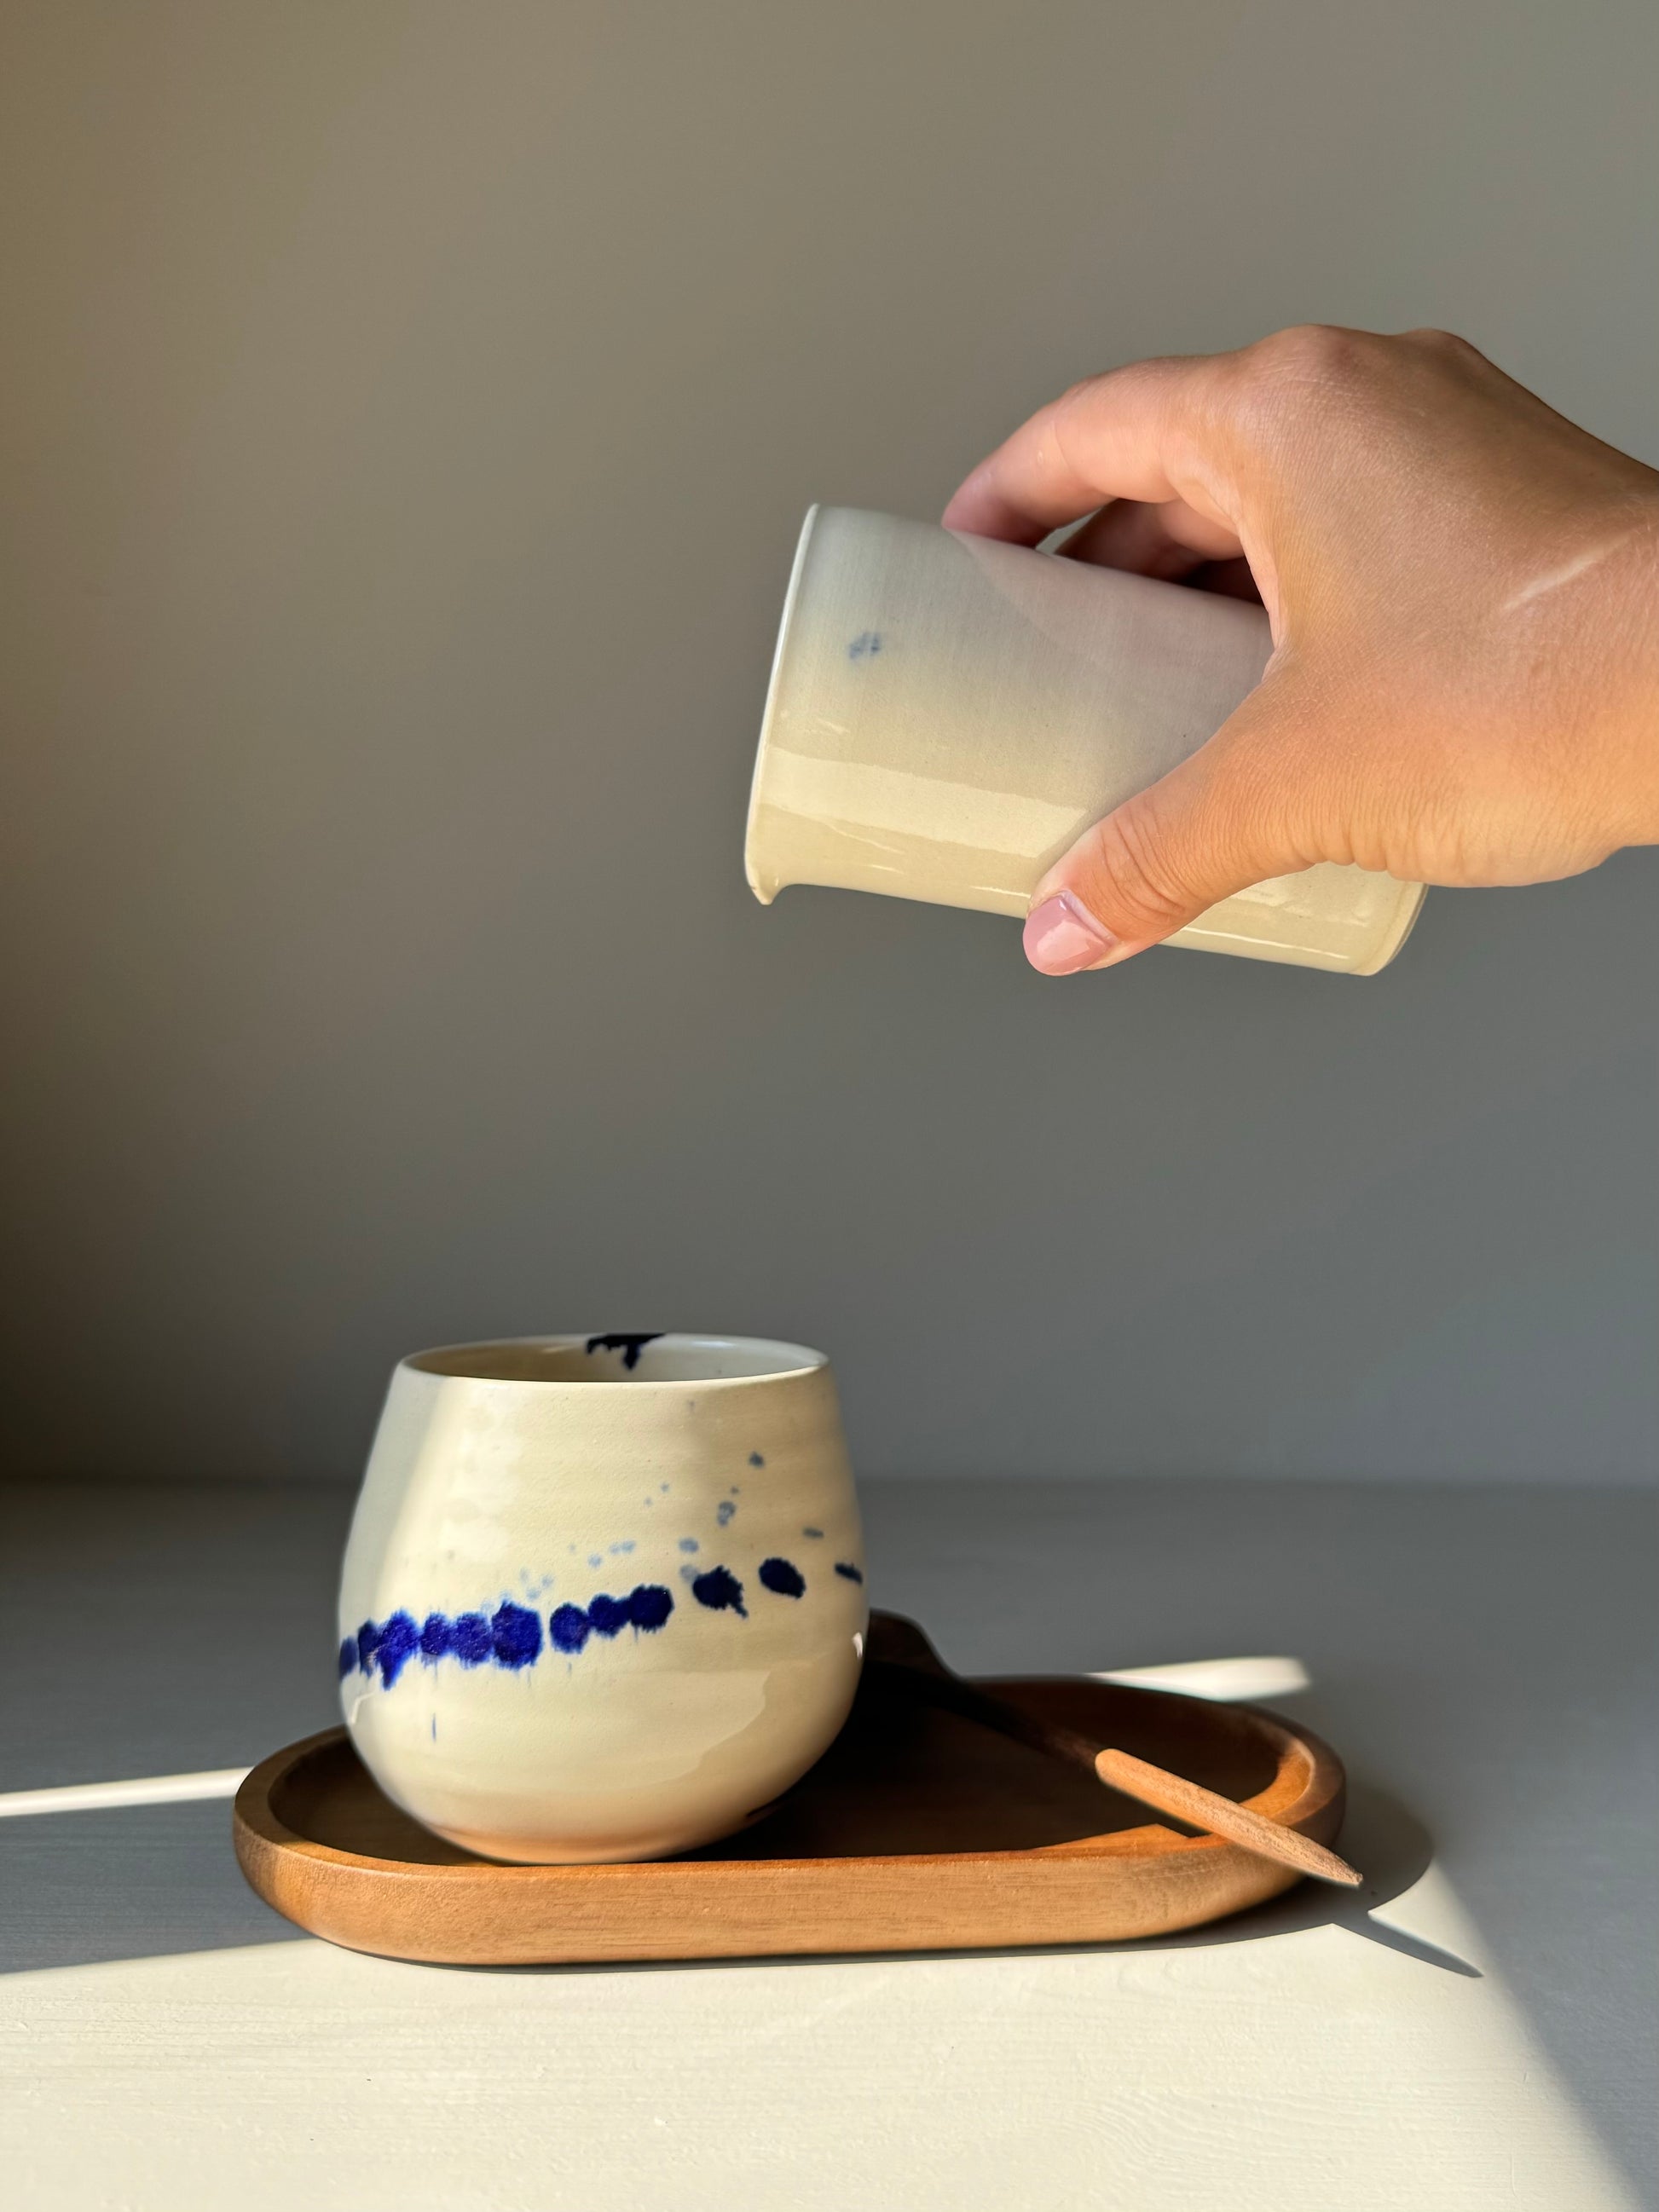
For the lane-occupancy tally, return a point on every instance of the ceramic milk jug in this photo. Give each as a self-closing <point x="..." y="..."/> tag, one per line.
<point x="947" y="714"/>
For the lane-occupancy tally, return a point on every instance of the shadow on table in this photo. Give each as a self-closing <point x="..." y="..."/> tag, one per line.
<point x="81" y="1888"/>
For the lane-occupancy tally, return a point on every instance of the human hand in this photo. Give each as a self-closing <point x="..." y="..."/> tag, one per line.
<point x="1464" y="594"/>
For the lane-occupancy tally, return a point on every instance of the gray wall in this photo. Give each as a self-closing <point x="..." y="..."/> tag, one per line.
<point x="408" y="412"/>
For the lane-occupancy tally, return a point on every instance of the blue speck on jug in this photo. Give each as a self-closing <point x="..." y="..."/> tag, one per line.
<point x="816" y="1534"/>
<point x="864" y="645"/>
<point x="689" y="1544"/>
<point x="845" y="1568"/>
<point x="755" y="1460"/>
<point x="596" y="1559"/>
<point x="724" y="1511"/>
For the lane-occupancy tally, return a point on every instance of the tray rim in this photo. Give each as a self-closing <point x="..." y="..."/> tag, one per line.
<point x="1302" y="1804"/>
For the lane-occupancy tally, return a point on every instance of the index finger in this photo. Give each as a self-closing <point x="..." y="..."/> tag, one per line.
<point x="1134" y="433"/>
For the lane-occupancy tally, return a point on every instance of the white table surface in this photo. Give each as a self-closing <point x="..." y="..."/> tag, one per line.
<point x="1475" y="2030"/>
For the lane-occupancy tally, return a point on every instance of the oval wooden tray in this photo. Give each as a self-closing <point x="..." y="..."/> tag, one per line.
<point x="917" y="1831"/>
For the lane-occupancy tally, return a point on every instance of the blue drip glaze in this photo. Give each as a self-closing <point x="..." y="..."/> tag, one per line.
<point x="367" y="1636"/>
<point x="846" y="1567"/>
<point x="348" y="1657"/>
<point x="782" y="1578"/>
<point x="437" y="1638"/>
<point x="721" y="1591"/>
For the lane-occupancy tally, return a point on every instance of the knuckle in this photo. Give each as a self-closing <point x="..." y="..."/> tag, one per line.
<point x="1138" y="884"/>
<point x="1446" y="343"/>
<point x="1314" y="369"/>
<point x="1311" y="354"/>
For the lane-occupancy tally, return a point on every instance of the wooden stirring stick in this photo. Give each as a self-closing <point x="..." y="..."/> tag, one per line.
<point x="907" y="1662"/>
<point x="1204" y="1808"/>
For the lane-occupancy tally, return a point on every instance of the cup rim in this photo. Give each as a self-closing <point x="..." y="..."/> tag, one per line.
<point x="794" y="1360"/>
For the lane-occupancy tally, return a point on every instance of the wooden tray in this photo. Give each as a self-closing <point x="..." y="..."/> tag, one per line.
<point x="917" y="1831"/>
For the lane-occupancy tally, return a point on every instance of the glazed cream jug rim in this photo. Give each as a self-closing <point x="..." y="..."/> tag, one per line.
<point x="508" y="1362"/>
<point x="774" y="690"/>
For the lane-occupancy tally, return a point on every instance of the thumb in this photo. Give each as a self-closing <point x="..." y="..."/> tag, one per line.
<point x="1240" y="810"/>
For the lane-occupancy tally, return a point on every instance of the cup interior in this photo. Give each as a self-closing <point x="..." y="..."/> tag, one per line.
<point x="618" y="1356"/>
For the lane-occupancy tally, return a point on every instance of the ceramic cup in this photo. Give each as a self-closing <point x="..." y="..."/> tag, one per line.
<point x="947" y="714"/>
<point x="603" y="1596"/>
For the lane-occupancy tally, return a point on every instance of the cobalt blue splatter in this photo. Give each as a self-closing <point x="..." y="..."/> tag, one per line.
<point x="724" y="1511"/>
<point x="515" y="1635"/>
<point x="651" y="1605"/>
<point x="398" y="1642"/>
<point x="646" y="1607"/>
<point x="609" y="1615"/>
<point x="755" y="1460"/>
<point x="568" y="1629"/>
<point x="471" y="1641"/>
<point x="721" y="1591"/>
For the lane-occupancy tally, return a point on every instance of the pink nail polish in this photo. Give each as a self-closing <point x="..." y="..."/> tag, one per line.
<point x="1062" y="936"/>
